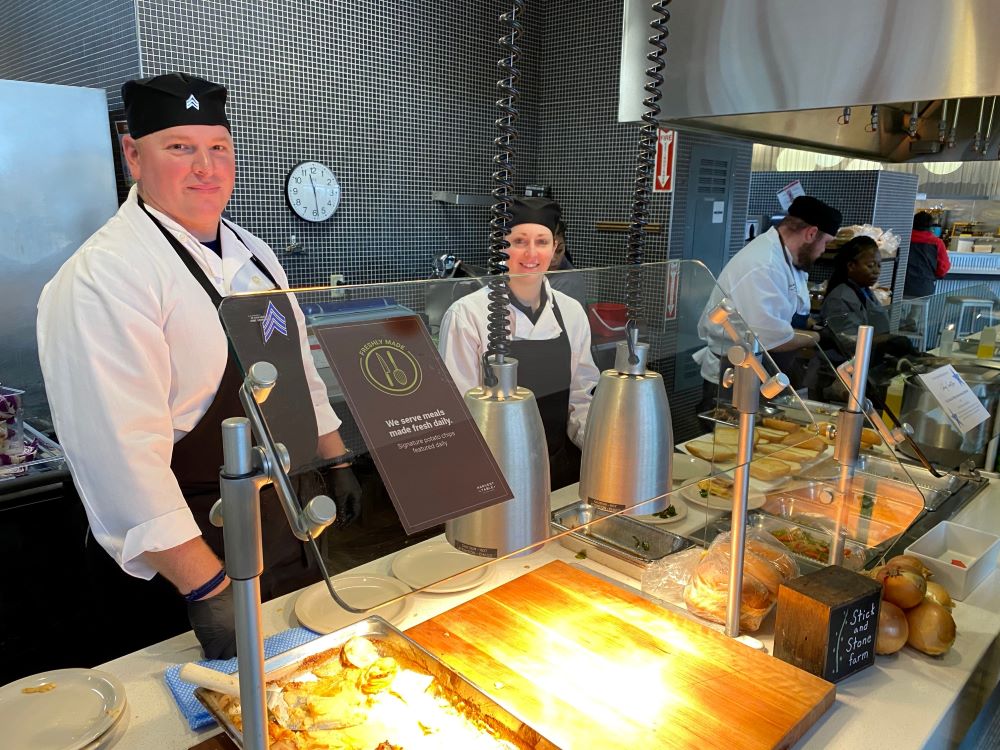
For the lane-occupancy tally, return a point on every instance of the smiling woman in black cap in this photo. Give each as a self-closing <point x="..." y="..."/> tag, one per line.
<point x="550" y="338"/>
<point x="139" y="373"/>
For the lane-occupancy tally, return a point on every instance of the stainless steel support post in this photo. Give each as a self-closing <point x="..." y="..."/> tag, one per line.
<point x="240" y="482"/>
<point x="746" y="399"/>
<point x="850" y="421"/>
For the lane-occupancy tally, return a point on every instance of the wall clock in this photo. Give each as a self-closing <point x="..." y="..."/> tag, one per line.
<point x="313" y="191"/>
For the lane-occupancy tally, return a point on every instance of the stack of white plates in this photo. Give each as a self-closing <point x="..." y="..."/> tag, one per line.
<point x="66" y="709"/>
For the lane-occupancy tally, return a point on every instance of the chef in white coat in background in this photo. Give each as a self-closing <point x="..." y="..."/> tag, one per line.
<point x="550" y="338"/>
<point x="139" y="373"/>
<point x="767" y="283"/>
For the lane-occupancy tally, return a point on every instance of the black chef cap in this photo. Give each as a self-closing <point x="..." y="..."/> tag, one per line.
<point x="162" y="102"/>
<point x="815" y="212"/>
<point x="542" y="211"/>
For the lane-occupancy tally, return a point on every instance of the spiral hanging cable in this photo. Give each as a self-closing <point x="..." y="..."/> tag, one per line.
<point x="644" y="168"/>
<point x="498" y="326"/>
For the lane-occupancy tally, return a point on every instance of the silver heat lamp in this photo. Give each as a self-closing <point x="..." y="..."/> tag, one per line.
<point x="509" y="420"/>
<point x="629" y="446"/>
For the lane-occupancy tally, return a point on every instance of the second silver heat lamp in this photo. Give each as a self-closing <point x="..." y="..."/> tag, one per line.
<point x="509" y="420"/>
<point x="628" y="452"/>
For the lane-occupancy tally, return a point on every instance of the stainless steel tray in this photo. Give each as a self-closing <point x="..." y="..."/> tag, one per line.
<point x="620" y="542"/>
<point x="469" y="699"/>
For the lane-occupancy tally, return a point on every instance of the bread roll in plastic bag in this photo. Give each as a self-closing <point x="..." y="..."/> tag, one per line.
<point x="766" y="565"/>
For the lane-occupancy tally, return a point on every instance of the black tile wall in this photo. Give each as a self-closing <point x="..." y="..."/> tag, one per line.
<point x="589" y="159"/>
<point x="397" y="98"/>
<point x="72" y="43"/>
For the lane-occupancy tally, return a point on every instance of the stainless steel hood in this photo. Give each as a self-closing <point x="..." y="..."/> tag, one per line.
<point x="782" y="72"/>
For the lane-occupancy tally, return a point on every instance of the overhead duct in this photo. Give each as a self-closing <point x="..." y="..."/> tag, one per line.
<point x="783" y="72"/>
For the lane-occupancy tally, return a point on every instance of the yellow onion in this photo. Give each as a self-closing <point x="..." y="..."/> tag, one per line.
<point x="893" y="629"/>
<point x="932" y="628"/>
<point x="904" y="588"/>
<point x="909" y="562"/>
<point x="938" y="593"/>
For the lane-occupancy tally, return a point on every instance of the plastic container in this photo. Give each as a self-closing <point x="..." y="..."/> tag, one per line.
<point x="607" y="319"/>
<point x="948" y="542"/>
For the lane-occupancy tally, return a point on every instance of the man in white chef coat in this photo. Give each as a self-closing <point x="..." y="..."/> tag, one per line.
<point x="139" y="373"/>
<point x="767" y="283"/>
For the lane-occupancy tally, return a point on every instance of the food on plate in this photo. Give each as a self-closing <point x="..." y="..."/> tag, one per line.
<point x="765" y="568"/>
<point x="39" y="688"/>
<point x="893" y="629"/>
<point x="903" y="588"/>
<point x="787" y="452"/>
<point x="729" y="436"/>
<point x="769" y="469"/>
<point x="938" y="593"/>
<point x="669" y="512"/>
<point x="719" y="486"/>
<point x="805" y="441"/>
<point x="357" y="696"/>
<point x="705" y="448"/>
<point x="770" y="435"/>
<point x="780" y="424"/>
<point x="803" y="543"/>
<point x="931" y="628"/>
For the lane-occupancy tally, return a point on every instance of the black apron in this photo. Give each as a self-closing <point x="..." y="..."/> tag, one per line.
<point x="544" y="368"/>
<point x="288" y="411"/>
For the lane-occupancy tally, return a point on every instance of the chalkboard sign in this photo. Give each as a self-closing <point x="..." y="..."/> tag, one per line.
<point x="827" y="622"/>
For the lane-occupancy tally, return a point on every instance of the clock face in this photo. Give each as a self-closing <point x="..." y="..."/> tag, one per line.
<point x="313" y="191"/>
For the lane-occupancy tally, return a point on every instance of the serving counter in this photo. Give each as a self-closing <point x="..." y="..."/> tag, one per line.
<point x="907" y="700"/>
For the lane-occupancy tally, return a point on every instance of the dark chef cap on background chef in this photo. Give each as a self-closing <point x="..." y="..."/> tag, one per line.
<point x="162" y="102"/>
<point x="815" y="212"/>
<point x="542" y="211"/>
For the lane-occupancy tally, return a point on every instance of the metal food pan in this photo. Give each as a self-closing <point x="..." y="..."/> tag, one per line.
<point x="892" y="514"/>
<point x="855" y="555"/>
<point x="622" y="543"/>
<point x="465" y="697"/>
<point x="790" y="507"/>
<point x="923" y="479"/>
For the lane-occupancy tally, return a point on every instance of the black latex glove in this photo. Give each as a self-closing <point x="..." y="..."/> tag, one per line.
<point x="214" y="623"/>
<point x="346" y="492"/>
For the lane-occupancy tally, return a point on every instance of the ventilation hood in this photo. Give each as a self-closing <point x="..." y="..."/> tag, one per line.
<point x="783" y="72"/>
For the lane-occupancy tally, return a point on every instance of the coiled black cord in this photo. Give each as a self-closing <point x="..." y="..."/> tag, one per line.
<point x="498" y="325"/>
<point x="644" y="169"/>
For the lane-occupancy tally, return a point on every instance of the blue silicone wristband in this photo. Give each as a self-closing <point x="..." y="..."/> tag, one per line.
<point x="205" y="588"/>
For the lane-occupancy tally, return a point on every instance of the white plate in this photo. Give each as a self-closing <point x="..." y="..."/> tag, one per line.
<point x="679" y="505"/>
<point x="83" y="705"/>
<point x="692" y="494"/>
<point x="110" y="738"/>
<point x="688" y="468"/>
<point x="431" y="562"/>
<point x="317" y="610"/>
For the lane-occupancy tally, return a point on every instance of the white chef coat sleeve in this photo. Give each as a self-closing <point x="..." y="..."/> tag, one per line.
<point x="583" y="372"/>
<point x="761" y="298"/>
<point x="327" y="420"/>
<point x="107" y="373"/>
<point x="461" y="345"/>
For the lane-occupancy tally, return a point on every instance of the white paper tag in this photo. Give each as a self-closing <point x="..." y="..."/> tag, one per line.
<point x="960" y="405"/>
<point x="718" y="211"/>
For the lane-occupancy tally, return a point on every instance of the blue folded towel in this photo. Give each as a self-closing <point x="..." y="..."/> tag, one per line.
<point x="193" y="711"/>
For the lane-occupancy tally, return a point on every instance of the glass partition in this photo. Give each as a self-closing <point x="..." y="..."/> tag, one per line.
<point x="793" y="492"/>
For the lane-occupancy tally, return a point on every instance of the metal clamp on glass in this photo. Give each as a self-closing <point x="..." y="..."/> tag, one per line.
<point x="749" y="380"/>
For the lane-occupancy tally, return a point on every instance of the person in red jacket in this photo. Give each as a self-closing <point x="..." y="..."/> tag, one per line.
<point x="928" y="258"/>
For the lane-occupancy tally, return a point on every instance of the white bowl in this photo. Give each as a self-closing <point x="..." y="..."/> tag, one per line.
<point x="951" y="541"/>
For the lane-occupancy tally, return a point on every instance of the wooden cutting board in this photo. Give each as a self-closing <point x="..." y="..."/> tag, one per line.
<point x="590" y="665"/>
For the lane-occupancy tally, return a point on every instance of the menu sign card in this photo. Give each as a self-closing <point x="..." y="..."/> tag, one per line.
<point x="432" y="458"/>
<point x="959" y="404"/>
